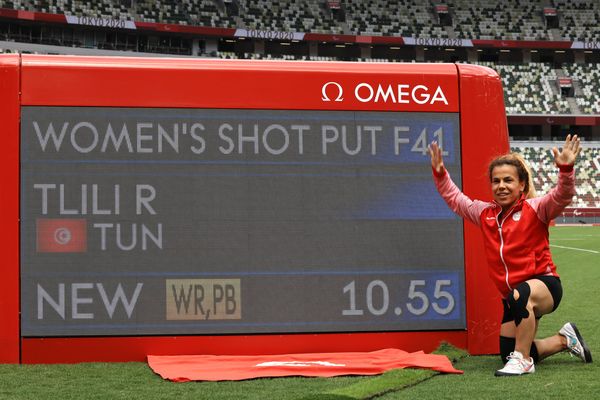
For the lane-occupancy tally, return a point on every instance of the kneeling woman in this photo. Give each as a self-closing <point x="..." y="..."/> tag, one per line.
<point x="515" y="232"/>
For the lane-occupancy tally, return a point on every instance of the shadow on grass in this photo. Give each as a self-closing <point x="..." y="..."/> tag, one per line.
<point x="390" y="381"/>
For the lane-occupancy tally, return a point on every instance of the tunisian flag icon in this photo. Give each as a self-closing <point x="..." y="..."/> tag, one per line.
<point x="61" y="235"/>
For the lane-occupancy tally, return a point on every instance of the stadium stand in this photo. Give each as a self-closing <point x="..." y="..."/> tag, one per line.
<point x="528" y="89"/>
<point x="587" y="84"/>
<point x="98" y="9"/>
<point x="579" y="19"/>
<point x="488" y="19"/>
<point x="470" y="19"/>
<point x="540" y="158"/>
<point x="280" y="15"/>
<point x="392" y="18"/>
<point x="183" y="12"/>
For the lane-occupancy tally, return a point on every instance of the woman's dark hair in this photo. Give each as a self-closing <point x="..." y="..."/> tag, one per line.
<point x="523" y="171"/>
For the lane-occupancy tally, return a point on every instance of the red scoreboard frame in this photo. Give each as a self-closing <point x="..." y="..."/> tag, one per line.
<point x="34" y="80"/>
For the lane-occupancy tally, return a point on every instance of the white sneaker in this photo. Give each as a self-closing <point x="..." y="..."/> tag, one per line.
<point x="575" y="343"/>
<point x="517" y="365"/>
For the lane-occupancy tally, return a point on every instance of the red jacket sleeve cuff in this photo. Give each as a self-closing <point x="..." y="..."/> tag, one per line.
<point x="439" y="174"/>
<point x="565" y="168"/>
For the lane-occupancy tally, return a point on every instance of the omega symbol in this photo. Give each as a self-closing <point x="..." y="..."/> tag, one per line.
<point x="339" y="89"/>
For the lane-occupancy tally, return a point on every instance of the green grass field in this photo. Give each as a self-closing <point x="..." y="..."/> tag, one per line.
<point x="576" y="251"/>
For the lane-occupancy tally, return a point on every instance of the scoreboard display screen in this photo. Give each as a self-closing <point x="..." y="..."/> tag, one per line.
<point x="159" y="221"/>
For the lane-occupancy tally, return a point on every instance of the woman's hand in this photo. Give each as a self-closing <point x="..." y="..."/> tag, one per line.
<point x="569" y="151"/>
<point x="437" y="160"/>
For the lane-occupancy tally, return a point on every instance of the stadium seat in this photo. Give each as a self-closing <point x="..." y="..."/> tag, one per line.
<point x="579" y="20"/>
<point x="541" y="160"/>
<point x="493" y="20"/>
<point x="586" y="79"/>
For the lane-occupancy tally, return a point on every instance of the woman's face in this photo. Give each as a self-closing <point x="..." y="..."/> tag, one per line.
<point x="506" y="186"/>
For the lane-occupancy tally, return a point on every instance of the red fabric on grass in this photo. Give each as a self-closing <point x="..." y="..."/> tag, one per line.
<point x="233" y="368"/>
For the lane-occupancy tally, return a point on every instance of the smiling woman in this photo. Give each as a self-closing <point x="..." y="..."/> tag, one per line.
<point x="510" y="177"/>
<point x="515" y="233"/>
<point x="506" y="185"/>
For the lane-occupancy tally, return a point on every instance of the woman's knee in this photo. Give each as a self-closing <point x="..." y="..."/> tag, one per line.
<point x="519" y="303"/>
<point x="541" y="299"/>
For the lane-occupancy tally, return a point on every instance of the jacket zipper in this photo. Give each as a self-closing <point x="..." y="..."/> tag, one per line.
<point x="502" y="244"/>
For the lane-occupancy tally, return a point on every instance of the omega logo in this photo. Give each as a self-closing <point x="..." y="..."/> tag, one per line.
<point x="378" y="93"/>
<point x="340" y="91"/>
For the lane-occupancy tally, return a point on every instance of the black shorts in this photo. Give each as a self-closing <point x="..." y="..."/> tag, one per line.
<point x="554" y="286"/>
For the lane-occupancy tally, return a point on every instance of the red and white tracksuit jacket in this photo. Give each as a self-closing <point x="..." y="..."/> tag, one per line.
<point x="516" y="246"/>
